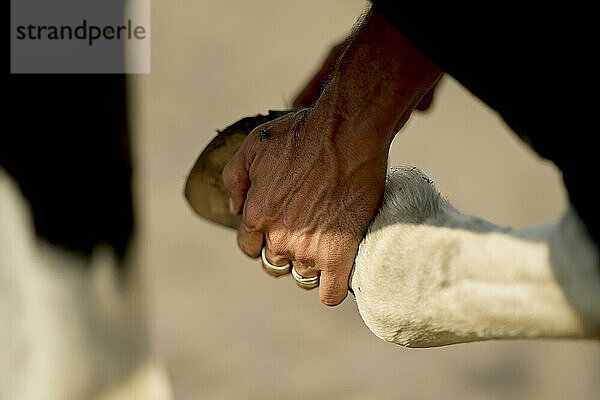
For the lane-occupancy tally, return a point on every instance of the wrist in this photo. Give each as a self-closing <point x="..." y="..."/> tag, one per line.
<point x="377" y="83"/>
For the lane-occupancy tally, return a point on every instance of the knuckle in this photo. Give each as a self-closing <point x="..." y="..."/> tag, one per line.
<point x="278" y="242"/>
<point x="303" y="269"/>
<point x="253" y="215"/>
<point x="278" y="247"/>
<point x="235" y="175"/>
<point x="277" y="259"/>
<point x="304" y="256"/>
<point x="304" y="250"/>
<point x="337" y="260"/>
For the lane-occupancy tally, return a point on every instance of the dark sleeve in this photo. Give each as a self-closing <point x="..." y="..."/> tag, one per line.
<point x="534" y="67"/>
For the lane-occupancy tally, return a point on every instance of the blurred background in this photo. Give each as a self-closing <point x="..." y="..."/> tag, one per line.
<point x="224" y="328"/>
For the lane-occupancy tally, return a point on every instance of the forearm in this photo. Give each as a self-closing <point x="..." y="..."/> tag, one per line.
<point x="377" y="83"/>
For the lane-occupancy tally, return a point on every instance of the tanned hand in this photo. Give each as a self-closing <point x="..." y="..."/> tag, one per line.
<point x="308" y="184"/>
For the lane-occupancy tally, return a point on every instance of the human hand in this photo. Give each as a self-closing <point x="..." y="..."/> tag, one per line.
<point x="308" y="184"/>
<point x="307" y="195"/>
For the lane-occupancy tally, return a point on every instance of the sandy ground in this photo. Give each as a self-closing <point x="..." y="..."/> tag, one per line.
<point x="228" y="331"/>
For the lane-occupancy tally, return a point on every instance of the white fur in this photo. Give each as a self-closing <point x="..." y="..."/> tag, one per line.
<point x="67" y="330"/>
<point x="427" y="275"/>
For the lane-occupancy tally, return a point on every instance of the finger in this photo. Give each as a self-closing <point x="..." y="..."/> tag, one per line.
<point x="236" y="180"/>
<point x="275" y="260"/>
<point x="250" y="241"/>
<point x="333" y="286"/>
<point x="305" y="271"/>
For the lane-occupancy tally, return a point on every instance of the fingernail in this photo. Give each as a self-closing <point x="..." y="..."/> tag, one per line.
<point x="231" y="207"/>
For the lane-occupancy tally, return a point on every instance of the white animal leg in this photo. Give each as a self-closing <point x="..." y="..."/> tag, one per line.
<point x="426" y="275"/>
<point x="67" y="330"/>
